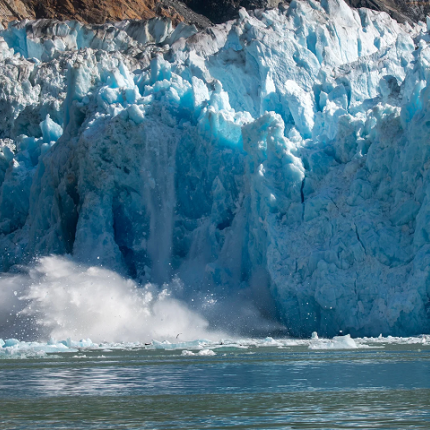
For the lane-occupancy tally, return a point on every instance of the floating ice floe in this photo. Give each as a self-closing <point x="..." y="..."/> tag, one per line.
<point x="338" y="342"/>
<point x="203" y="352"/>
<point x="12" y="348"/>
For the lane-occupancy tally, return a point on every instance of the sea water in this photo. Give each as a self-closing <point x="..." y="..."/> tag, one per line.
<point x="379" y="383"/>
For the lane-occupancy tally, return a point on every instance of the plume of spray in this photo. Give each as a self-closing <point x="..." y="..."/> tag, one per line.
<point x="60" y="299"/>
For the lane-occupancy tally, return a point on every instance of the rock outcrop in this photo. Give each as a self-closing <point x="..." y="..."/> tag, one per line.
<point x="99" y="12"/>
<point x="220" y="11"/>
<point x="197" y="12"/>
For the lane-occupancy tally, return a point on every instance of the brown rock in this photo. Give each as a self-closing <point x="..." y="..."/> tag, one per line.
<point x="198" y="12"/>
<point x="96" y="11"/>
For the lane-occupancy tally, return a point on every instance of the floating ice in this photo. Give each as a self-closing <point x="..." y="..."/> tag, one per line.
<point x="203" y="352"/>
<point x="203" y="348"/>
<point x="338" y="342"/>
<point x="13" y="348"/>
<point x="277" y="165"/>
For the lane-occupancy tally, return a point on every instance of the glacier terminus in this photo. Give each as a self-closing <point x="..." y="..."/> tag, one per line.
<point x="281" y="160"/>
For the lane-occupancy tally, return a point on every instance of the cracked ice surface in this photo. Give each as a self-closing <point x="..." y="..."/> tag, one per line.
<point x="282" y="157"/>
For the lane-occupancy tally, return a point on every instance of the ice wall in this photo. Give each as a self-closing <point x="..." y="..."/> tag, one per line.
<point x="280" y="160"/>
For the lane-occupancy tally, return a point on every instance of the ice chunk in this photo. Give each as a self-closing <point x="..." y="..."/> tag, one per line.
<point x="206" y="353"/>
<point x="10" y="342"/>
<point x="338" y="342"/>
<point x="51" y="131"/>
<point x="202" y="353"/>
<point x="135" y="114"/>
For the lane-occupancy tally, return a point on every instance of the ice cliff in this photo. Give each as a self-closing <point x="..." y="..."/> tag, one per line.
<point x="283" y="157"/>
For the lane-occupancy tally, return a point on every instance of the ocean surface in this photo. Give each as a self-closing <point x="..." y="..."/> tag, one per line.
<point x="380" y="383"/>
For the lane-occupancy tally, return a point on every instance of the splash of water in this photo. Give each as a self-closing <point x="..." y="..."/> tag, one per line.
<point x="59" y="298"/>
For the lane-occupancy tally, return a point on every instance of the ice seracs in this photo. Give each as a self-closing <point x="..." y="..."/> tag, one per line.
<point x="279" y="160"/>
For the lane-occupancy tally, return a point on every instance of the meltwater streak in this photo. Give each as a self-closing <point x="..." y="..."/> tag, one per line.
<point x="60" y="299"/>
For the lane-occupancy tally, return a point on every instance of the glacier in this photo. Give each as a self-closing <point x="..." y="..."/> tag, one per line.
<point x="280" y="160"/>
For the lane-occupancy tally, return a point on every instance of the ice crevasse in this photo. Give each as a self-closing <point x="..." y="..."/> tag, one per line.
<point x="285" y="154"/>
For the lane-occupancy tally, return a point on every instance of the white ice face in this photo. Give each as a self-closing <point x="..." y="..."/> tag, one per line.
<point x="280" y="160"/>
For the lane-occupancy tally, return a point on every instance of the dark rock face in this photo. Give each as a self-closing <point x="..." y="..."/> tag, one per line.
<point x="198" y="12"/>
<point x="99" y="11"/>
<point x="219" y="11"/>
<point x="188" y="14"/>
<point x="222" y="10"/>
<point x="400" y="10"/>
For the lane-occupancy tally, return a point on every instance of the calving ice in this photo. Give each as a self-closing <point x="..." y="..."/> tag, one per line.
<point x="275" y="165"/>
